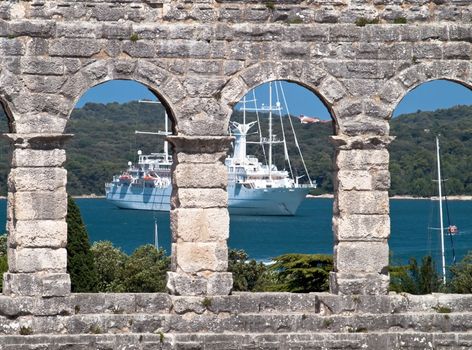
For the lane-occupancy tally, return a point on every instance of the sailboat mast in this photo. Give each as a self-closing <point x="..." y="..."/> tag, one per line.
<point x="270" y="131"/>
<point x="443" y="259"/>
<point x="156" y="235"/>
<point x="166" y="144"/>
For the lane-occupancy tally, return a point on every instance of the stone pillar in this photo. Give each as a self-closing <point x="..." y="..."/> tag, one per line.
<point x="361" y="221"/>
<point x="36" y="217"/>
<point x="199" y="217"/>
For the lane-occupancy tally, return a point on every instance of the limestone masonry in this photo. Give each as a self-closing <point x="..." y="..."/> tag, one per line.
<point x="200" y="57"/>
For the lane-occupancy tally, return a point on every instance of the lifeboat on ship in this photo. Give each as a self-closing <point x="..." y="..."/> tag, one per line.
<point x="125" y="178"/>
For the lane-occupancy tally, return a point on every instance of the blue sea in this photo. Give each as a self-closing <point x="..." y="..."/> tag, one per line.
<point x="414" y="230"/>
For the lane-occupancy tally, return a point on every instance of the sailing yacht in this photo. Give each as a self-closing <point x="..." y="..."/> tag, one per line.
<point x="451" y="229"/>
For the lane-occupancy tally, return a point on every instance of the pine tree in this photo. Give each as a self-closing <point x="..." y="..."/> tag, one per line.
<point x="80" y="263"/>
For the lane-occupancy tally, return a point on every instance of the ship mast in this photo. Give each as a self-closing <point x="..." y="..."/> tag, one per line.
<point x="166" y="126"/>
<point x="244" y="109"/>
<point x="270" y="131"/>
<point x="443" y="259"/>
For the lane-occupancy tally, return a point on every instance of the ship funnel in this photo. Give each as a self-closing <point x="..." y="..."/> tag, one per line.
<point x="240" y="132"/>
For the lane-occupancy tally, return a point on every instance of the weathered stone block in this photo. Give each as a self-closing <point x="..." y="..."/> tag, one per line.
<point x="38" y="158"/>
<point x="362" y="159"/>
<point x="193" y="257"/>
<point x="199" y="198"/>
<point x="37" y="179"/>
<point x="44" y="84"/>
<point x="153" y="302"/>
<point x="357" y="256"/>
<point x="74" y="47"/>
<point x="332" y="90"/>
<point x="360" y="283"/>
<point x="43" y="28"/>
<point x="194" y="158"/>
<point x="360" y="180"/>
<point x="182" y="305"/>
<point x="198" y="146"/>
<point x="36" y="284"/>
<point x="217" y="283"/>
<point x="233" y="90"/>
<point x="39" y="205"/>
<point x="103" y="303"/>
<point x="28" y="260"/>
<point x="200" y="176"/>
<point x="79" y="30"/>
<point x="380" y="179"/>
<point x="11" y="47"/>
<point x="362" y="202"/>
<point x="183" y="284"/>
<point x="361" y="227"/>
<point x="139" y="49"/>
<point x="43" y="66"/>
<point x="37" y="233"/>
<point x="199" y="225"/>
<point x="220" y="283"/>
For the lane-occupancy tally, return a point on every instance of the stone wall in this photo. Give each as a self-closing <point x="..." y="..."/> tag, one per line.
<point x="240" y="321"/>
<point x="200" y="58"/>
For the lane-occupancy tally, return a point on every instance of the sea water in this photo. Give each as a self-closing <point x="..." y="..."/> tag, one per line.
<point x="414" y="230"/>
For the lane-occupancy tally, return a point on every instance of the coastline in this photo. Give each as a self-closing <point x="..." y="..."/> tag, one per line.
<point x="88" y="196"/>
<point x="311" y="196"/>
<point x="433" y="198"/>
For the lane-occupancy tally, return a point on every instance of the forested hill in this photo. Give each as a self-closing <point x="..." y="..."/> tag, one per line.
<point x="105" y="141"/>
<point x="413" y="153"/>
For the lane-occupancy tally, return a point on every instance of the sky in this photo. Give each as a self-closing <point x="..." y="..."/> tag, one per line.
<point x="427" y="97"/>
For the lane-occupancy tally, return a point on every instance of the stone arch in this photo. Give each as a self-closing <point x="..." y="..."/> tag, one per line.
<point x="9" y="90"/>
<point x="9" y="115"/>
<point x="309" y="75"/>
<point x="395" y="89"/>
<point x="155" y="78"/>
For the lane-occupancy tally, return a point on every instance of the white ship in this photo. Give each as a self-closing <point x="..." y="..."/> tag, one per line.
<point x="253" y="188"/>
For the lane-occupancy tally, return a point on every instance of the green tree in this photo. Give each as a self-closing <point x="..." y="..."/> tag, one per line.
<point x="109" y="262"/>
<point x="80" y="264"/>
<point x="3" y="244"/>
<point x="3" y="269"/>
<point x="145" y="270"/>
<point x="415" y="279"/>
<point x="247" y="275"/>
<point x="3" y="258"/>
<point x="303" y="273"/>
<point x="461" y="275"/>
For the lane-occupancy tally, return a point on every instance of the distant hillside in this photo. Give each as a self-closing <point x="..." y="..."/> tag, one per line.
<point x="105" y="141"/>
<point x="413" y="153"/>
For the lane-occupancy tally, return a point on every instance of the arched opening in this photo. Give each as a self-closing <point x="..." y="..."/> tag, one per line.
<point x="433" y="119"/>
<point x="119" y="171"/>
<point x="6" y="126"/>
<point x="280" y="189"/>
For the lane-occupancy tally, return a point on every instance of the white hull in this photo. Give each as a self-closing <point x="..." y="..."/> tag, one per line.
<point x="242" y="201"/>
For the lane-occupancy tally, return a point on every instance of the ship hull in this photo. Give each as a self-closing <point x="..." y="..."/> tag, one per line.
<point x="140" y="198"/>
<point x="241" y="200"/>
